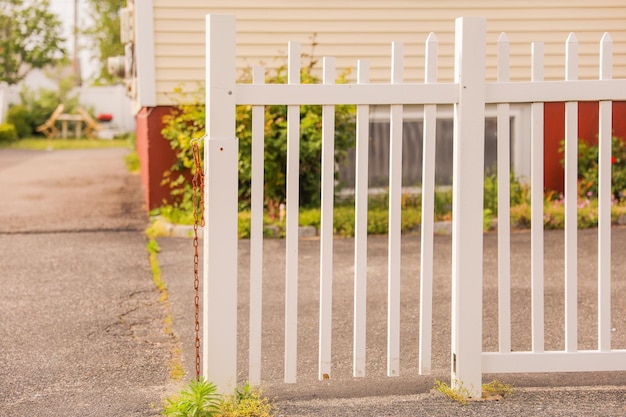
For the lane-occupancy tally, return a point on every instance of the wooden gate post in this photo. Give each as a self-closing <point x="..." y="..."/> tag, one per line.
<point x="467" y="204"/>
<point x="221" y="149"/>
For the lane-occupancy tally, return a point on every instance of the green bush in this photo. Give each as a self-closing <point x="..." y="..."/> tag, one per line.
<point x="588" y="168"/>
<point x="41" y="103"/>
<point x="7" y="133"/>
<point x="19" y="116"/>
<point x="188" y="120"/>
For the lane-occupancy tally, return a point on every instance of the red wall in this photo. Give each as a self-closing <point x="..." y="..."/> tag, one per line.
<point x="554" y="133"/>
<point x="155" y="154"/>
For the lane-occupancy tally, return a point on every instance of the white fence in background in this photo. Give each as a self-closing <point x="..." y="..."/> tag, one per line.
<point x="469" y="93"/>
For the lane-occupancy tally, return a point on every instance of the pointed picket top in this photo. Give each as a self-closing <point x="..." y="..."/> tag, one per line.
<point x="430" y="72"/>
<point x="606" y="57"/>
<point x="571" y="57"/>
<point x="503" y="58"/>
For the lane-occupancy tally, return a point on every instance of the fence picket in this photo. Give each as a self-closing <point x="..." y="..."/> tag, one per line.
<point x="469" y="94"/>
<point x="571" y="203"/>
<point x="326" y="227"/>
<point x="504" y="203"/>
<point x="395" y="202"/>
<point x="604" y="202"/>
<point x="360" y="227"/>
<point x="536" y="217"/>
<point x="428" y="208"/>
<point x="256" y="233"/>
<point x="292" y="212"/>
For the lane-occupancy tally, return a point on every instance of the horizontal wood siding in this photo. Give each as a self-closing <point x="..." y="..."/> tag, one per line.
<point x="364" y="29"/>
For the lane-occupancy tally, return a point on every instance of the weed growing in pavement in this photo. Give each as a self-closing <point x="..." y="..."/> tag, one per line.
<point x="246" y="402"/>
<point x="460" y="394"/>
<point x="176" y="366"/>
<point x="493" y="390"/>
<point x="200" y="399"/>
<point x="497" y="388"/>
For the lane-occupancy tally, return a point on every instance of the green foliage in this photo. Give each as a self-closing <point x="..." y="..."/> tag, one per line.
<point x="443" y="205"/>
<point x="276" y="144"/>
<point x="246" y="402"/>
<point x="7" y="133"/>
<point x="41" y="103"/>
<point x="30" y="37"/>
<point x="104" y="34"/>
<point x="188" y="121"/>
<point x="497" y="388"/>
<point x="20" y="117"/>
<point x="459" y="394"/>
<point x="199" y="399"/>
<point x="132" y="162"/>
<point x="588" y="168"/>
<point x="519" y="192"/>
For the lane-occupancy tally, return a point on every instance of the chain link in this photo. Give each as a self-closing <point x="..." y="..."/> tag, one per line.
<point x="198" y="220"/>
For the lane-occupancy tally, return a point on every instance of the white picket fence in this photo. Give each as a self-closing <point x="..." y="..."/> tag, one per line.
<point x="469" y="93"/>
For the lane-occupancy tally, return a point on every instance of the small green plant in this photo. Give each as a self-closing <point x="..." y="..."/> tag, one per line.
<point x="132" y="162"/>
<point x="494" y="389"/>
<point x="153" y="248"/>
<point x="246" y="402"/>
<point x="459" y="394"/>
<point x="487" y="219"/>
<point x="497" y="388"/>
<point x="198" y="399"/>
<point x="8" y="133"/>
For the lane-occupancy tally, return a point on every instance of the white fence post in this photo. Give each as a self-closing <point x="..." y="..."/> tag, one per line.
<point x="467" y="208"/>
<point x="221" y="189"/>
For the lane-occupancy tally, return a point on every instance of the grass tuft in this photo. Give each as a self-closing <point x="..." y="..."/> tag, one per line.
<point x="493" y="390"/>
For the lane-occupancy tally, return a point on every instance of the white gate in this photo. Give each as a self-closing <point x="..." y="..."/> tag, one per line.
<point x="469" y="94"/>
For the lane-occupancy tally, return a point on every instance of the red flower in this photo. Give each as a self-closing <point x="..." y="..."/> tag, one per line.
<point x="105" y="117"/>
<point x="613" y="160"/>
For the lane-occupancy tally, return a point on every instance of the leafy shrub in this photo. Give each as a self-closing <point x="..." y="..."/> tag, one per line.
<point x="588" y="168"/>
<point x="19" y="116"/>
<point x="519" y="192"/>
<point x="188" y="121"/>
<point x="7" y="133"/>
<point x="41" y="103"/>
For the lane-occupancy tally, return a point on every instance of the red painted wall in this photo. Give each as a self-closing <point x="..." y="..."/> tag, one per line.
<point x="155" y="154"/>
<point x="554" y="133"/>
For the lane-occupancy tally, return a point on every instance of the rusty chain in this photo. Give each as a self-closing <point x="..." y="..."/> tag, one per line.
<point x="198" y="220"/>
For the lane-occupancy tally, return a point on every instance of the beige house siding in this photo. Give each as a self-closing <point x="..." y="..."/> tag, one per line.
<point x="364" y="29"/>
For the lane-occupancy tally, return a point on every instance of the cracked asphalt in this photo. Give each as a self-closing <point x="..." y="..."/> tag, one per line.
<point x="81" y="329"/>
